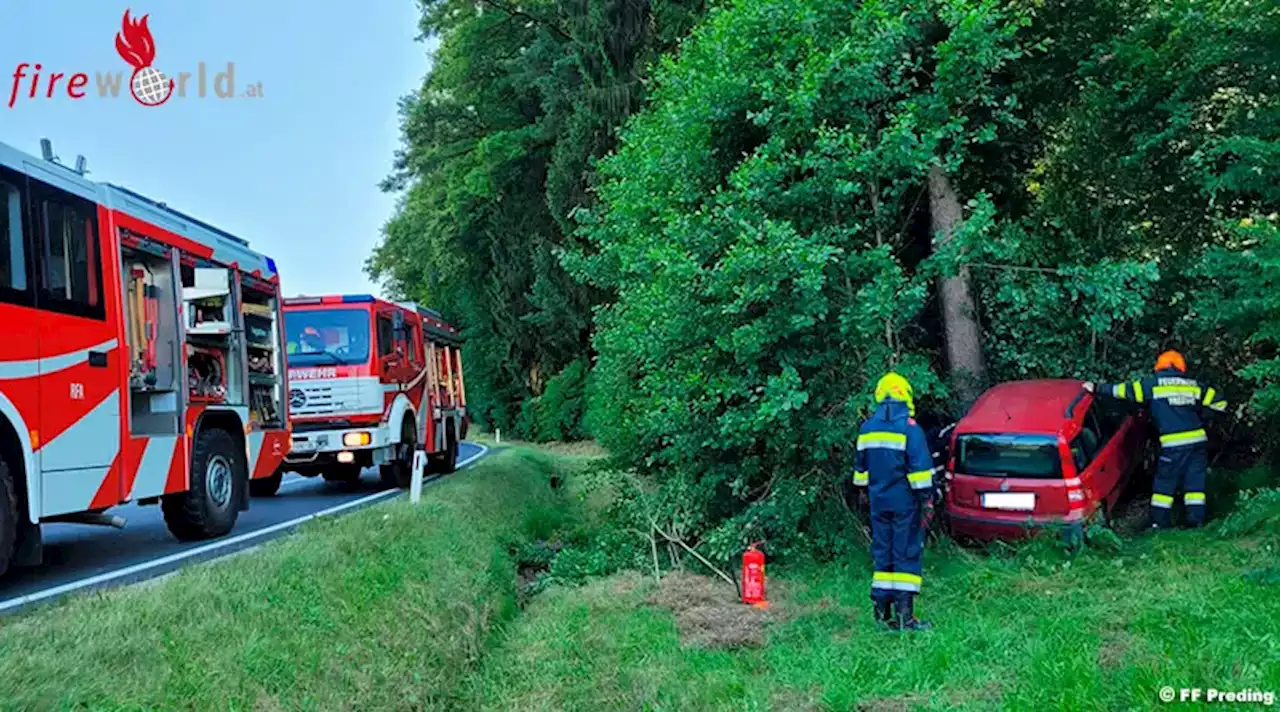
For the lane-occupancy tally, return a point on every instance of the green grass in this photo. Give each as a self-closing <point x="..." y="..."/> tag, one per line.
<point x="1102" y="632"/>
<point x="387" y="608"/>
<point x="401" y="607"/>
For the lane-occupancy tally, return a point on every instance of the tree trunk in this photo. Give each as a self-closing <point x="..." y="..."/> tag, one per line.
<point x="959" y="314"/>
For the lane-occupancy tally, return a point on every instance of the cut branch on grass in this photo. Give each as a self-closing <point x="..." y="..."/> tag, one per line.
<point x="677" y="541"/>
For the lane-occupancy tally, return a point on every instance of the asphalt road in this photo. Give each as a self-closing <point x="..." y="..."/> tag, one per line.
<point x="79" y="557"/>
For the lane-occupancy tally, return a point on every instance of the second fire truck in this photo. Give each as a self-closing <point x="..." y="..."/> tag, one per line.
<point x="370" y="382"/>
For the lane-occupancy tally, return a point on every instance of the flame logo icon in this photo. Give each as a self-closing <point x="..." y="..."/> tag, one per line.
<point x="136" y="46"/>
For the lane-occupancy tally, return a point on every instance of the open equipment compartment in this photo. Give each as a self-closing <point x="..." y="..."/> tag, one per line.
<point x="150" y="291"/>
<point x="209" y="311"/>
<point x="264" y="361"/>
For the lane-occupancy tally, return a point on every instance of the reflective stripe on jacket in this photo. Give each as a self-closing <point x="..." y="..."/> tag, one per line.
<point x="1175" y="402"/>
<point x="893" y="461"/>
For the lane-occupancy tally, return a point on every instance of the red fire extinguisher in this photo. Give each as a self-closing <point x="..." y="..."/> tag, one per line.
<point x="753" y="576"/>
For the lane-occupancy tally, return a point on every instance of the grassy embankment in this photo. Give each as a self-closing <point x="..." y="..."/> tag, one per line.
<point x="403" y="608"/>
<point x="387" y="608"/>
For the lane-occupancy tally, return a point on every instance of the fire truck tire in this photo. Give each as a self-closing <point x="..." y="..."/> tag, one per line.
<point x="390" y="474"/>
<point x="448" y="463"/>
<point x="8" y="517"/>
<point x="399" y="472"/>
<point x="266" y="486"/>
<point x="210" y="507"/>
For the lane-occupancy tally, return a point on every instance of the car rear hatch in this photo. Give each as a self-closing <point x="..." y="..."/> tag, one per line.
<point x="1007" y="475"/>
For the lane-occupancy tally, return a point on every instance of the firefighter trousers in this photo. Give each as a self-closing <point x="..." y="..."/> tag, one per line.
<point x="1180" y="468"/>
<point x="897" y="541"/>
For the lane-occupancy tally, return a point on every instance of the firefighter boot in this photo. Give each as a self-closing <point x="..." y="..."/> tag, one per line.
<point x="906" y="615"/>
<point x="884" y="614"/>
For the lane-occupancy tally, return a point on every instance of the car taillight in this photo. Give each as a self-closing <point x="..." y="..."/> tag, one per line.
<point x="1075" y="495"/>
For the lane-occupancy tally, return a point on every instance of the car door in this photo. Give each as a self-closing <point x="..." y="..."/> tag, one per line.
<point x="1104" y="465"/>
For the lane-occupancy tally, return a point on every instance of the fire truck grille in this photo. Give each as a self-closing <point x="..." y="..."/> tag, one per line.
<point x="325" y="398"/>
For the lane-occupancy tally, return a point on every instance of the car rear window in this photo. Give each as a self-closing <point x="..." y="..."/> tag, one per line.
<point x="1032" y="456"/>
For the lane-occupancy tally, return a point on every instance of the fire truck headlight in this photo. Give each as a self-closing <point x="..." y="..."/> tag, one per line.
<point x="359" y="439"/>
<point x="346" y="458"/>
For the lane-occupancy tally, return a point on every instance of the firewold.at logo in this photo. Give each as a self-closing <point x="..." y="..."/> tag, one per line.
<point x="147" y="84"/>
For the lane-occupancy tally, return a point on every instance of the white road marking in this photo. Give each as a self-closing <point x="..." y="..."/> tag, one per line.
<point x="213" y="546"/>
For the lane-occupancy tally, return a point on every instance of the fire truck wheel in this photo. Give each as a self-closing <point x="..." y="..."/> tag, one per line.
<point x="390" y="474"/>
<point x="210" y="507"/>
<point x="448" y="462"/>
<point x="267" y="486"/>
<point x="399" y="472"/>
<point x="8" y="517"/>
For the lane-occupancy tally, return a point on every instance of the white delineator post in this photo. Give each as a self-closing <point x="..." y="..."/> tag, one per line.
<point x="497" y="435"/>
<point x="415" y="482"/>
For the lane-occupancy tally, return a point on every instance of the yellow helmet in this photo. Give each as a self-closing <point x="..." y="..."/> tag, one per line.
<point x="894" y="386"/>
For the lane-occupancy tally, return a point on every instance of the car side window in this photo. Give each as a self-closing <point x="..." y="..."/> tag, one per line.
<point x="1085" y="445"/>
<point x="1110" y="415"/>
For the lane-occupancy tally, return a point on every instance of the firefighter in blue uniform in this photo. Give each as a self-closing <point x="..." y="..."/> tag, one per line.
<point x="895" y="465"/>
<point x="1176" y="403"/>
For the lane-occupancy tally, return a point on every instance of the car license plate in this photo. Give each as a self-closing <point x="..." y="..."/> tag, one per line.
<point x="1017" y="501"/>
<point x="303" y="446"/>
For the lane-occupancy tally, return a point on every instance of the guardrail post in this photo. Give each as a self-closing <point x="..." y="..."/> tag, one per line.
<point x="419" y="467"/>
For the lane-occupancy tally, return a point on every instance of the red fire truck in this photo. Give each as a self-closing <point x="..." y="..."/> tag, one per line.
<point x="142" y="362"/>
<point x="370" y="381"/>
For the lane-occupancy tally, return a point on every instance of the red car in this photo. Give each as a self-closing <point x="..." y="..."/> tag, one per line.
<point x="1033" y="453"/>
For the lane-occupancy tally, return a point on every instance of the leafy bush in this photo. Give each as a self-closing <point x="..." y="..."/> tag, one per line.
<point x="762" y="229"/>
<point x="1240" y="300"/>
<point x="557" y="414"/>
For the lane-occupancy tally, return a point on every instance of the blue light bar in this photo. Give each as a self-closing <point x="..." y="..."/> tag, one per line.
<point x="271" y="265"/>
<point x="357" y="298"/>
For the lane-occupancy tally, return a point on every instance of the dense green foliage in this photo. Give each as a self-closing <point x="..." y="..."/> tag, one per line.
<point x="763" y="228"/>
<point x="758" y="246"/>
<point x="498" y="144"/>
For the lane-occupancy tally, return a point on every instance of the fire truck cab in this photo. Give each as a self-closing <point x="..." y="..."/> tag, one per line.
<point x="142" y="359"/>
<point x="371" y="381"/>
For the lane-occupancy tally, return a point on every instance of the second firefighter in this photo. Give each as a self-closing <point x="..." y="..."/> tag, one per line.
<point x="895" y="465"/>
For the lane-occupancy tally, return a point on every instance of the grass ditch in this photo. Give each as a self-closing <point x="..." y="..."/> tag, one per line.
<point x="390" y="607"/>
<point x="1032" y="626"/>
<point x="1097" y="632"/>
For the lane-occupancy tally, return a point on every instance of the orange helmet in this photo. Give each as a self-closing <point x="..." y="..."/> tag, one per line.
<point x="1171" y="359"/>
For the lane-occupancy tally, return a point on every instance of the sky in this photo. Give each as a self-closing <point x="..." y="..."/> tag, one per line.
<point x="295" y="171"/>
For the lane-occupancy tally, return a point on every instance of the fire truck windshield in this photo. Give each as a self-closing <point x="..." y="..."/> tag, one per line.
<point x="327" y="336"/>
